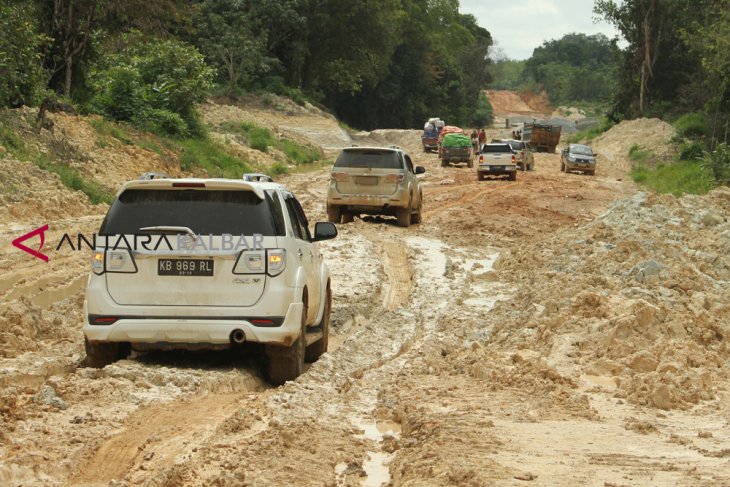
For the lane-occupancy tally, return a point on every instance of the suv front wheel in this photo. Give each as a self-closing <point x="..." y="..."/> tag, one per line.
<point x="287" y="363"/>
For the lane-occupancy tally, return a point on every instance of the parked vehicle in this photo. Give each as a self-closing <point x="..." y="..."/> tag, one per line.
<point x="578" y="157"/>
<point x="208" y="264"/>
<point x="497" y="160"/>
<point x="456" y="147"/>
<point x="375" y="181"/>
<point x="541" y="137"/>
<point x="524" y="155"/>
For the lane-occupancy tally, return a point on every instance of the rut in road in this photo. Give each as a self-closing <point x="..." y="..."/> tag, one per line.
<point x="399" y="276"/>
<point x="160" y="432"/>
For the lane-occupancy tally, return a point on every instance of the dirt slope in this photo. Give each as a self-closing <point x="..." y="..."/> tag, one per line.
<point x="556" y="330"/>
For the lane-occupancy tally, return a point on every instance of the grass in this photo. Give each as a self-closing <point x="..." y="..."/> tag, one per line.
<point x="261" y="138"/>
<point x="212" y="157"/>
<point x="637" y="154"/>
<point x="72" y="179"/>
<point x="681" y="177"/>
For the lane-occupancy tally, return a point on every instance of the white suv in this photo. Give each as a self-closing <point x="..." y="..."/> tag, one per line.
<point x="208" y="264"/>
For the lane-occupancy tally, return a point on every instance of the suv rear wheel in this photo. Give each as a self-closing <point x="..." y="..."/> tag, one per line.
<point x="316" y="349"/>
<point x="287" y="363"/>
<point x="404" y="215"/>
<point x="417" y="216"/>
<point x="99" y="355"/>
<point x="334" y="213"/>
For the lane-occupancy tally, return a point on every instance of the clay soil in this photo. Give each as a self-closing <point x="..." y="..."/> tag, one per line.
<point x="560" y="329"/>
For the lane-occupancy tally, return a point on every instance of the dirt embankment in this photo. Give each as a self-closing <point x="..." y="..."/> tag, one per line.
<point x="649" y="134"/>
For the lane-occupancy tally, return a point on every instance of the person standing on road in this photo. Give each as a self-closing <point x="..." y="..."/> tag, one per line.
<point x="482" y="137"/>
<point x="475" y="139"/>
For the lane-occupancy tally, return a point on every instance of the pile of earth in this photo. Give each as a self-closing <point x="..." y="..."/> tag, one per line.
<point x="638" y="297"/>
<point x="650" y="134"/>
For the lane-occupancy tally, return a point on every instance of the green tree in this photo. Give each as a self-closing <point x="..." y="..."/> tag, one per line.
<point x="20" y="56"/>
<point x="146" y="80"/>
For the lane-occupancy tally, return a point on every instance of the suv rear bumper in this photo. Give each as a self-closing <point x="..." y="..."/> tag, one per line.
<point x="398" y="199"/>
<point x="195" y="330"/>
<point x="194" y="324"/>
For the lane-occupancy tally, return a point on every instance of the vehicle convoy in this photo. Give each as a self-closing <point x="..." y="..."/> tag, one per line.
<point x="497" y="160"/>
<point x="375" y="181"/>
<point x="208" y="264"/>
<point x="431" y="131"/>
<point x="524" y="155"/>
<point x="456" y="147"/>
<point x="578" y="157"/>
<point x="541" y="137"/>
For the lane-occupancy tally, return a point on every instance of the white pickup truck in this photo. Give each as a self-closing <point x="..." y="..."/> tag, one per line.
<point x="497" y="160"/>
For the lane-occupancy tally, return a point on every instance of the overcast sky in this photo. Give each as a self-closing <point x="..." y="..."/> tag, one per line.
<point x="519" y="26"/>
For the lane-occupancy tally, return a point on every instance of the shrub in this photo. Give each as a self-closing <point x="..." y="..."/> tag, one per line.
<point x="278" y="169"/>
<point x="153" y="83"/>
<point x="692" y="125"/>
<point x="162" y="122"/>
<point x="718" y="162"/>
<point x="691" y="152"/>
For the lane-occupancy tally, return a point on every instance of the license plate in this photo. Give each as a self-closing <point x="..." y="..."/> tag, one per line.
<point x="366" y="180"/>
<point x="184" y="267"/>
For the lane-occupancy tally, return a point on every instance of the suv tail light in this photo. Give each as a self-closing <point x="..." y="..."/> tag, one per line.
<point x="513" y="158"/>
<point x="394" y="178"/>
<point x="481" y="159"/>
<point x="276" y="261"/>
<point x="114" y="261"/>
<point x="271" y="262"/>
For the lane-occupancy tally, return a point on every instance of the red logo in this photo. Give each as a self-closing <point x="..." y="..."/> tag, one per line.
<point x="35" y="253"/>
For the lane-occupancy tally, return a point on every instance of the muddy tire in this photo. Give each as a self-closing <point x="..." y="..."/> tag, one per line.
<point x="316" y="349"/>
<point x="99" y="355"/>
<point x="404" y="216"/>
<point x="334" y="213"/>
<point x="470" y="163"/>
<point x="287" y="363"/>
<point x="347" y="217"/>
<point x="480" y="176"/>
<point x="562" y="167"/>
<point x="417" y="217"/>
<point x="513" y="176"/>
<point x="444" y="163"/>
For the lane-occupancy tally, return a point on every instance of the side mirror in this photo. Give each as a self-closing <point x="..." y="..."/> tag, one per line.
<point x="420" y="169"/>
<point x="324" y="231"/>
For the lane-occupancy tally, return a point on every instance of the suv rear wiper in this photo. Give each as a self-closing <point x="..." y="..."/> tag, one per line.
<point x="170" y="230"/>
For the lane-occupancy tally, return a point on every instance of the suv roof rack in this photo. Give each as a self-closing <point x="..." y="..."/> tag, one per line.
<point x="257" y="177"/>
<point x="394" y="146"/>
<point x="154" y="175"/>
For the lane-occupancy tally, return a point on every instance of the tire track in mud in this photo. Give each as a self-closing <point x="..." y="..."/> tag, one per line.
<point x="399" y="275"/>
<point x="160" y="432"/>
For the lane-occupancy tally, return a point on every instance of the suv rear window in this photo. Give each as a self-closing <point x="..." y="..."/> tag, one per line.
<point x="375" y="159"/>
<point x="496" y="148"/>
<point x="204" y="212"/>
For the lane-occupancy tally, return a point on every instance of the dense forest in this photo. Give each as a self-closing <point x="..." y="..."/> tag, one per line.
<point x="380" y="63"/>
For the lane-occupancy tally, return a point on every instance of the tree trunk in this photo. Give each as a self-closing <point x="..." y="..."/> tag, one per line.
<point x="68" y="77"/>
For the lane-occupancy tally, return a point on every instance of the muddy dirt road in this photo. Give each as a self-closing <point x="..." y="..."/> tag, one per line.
<point x="489" y="345"/>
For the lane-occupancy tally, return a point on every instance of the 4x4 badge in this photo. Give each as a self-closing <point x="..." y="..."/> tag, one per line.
<point x="35" y="253"/>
